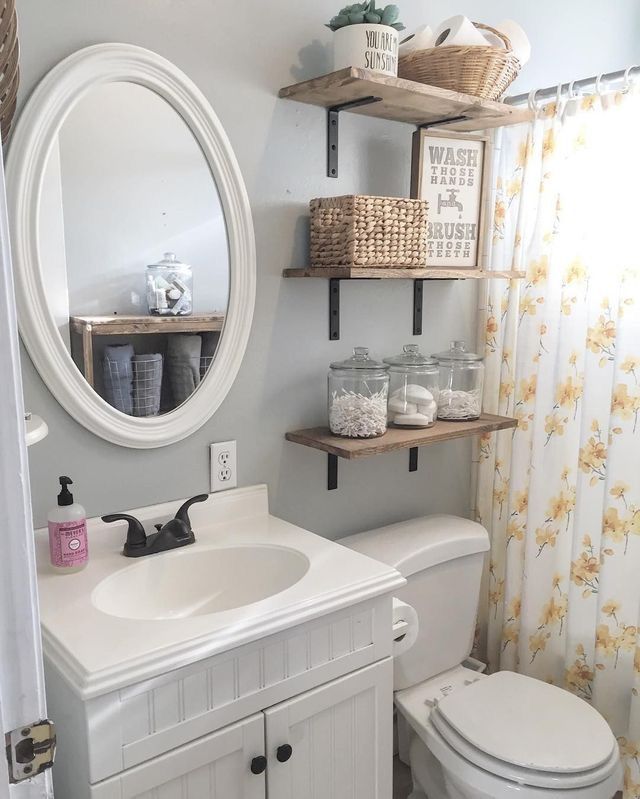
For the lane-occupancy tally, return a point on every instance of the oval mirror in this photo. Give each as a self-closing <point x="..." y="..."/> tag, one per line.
<point x="132" y="243"/>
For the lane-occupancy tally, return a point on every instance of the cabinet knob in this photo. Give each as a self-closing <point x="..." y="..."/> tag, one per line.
<point x="259" y="764"/>
<point x="283" y="753"/>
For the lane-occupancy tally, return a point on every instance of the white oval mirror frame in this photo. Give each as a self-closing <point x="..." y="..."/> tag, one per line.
<point x="31" y="142"/>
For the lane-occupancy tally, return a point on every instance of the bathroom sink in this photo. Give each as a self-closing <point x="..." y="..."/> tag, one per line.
<point x="197" y="581"/>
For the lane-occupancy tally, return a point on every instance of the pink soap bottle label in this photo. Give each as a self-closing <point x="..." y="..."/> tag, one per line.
<point x="68" y="543"/>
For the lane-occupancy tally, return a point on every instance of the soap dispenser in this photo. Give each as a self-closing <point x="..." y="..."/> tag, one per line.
<point x="68" y="532"/>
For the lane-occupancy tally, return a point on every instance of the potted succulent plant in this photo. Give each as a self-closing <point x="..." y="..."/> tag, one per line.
<point x="367" y="37"/>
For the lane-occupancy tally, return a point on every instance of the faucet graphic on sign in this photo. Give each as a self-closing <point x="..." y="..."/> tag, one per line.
<point x="452" y="202"/>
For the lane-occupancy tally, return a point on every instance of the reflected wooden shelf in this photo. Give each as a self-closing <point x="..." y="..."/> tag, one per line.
<point x="128" y="325"/>
<point x="403" y="101"/>
<point x="391" y="273"/>
<point x="394" y="439"/>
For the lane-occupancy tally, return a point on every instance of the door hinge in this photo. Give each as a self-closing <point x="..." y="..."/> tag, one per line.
<point x="30" y="750"/>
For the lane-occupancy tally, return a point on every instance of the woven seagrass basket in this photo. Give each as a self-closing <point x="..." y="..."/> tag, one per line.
<point x="9" y="70"/>
<point x="484" y="72"/>
<point x="360" y="231"/>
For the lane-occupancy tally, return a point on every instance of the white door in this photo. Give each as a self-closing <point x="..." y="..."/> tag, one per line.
<point x="21" y="674"/>
<point x="335" y="741"/>
<point x="228" y="764"/>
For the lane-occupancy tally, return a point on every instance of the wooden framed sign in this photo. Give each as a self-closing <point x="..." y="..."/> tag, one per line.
<point x="449" y="170"/>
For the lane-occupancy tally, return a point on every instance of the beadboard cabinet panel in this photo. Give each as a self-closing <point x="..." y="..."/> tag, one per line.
<point x="341" y="737"/>
<point x="241" y="682"/>
<point x="217" y="766"/>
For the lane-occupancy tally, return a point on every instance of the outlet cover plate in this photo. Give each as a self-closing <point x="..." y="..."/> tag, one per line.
<point x="224" y="466"/>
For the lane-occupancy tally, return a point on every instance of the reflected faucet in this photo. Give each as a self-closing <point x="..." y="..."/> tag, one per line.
<point x="175" y="533"/>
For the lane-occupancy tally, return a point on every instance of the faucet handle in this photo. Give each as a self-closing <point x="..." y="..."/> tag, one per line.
<point x="183" y="511"/>
<point x="136" y="536"/>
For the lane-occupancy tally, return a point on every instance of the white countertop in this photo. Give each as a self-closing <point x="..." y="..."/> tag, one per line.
<point x="98" y="653"/>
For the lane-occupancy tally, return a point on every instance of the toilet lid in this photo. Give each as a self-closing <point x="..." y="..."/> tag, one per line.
<point x="527" y="723"/>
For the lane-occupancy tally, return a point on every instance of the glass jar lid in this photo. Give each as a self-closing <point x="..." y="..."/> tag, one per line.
<point x="170" y="261"/>
<point x="411" y="358"/>
<point x="458" y="353"/>
<point x="360" y="360"/>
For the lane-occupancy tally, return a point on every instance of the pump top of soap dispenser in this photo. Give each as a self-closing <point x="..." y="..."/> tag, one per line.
<point x="65" y="497"/>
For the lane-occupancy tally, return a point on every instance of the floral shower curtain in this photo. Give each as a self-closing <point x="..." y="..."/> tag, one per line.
<point x="561" y="494"/>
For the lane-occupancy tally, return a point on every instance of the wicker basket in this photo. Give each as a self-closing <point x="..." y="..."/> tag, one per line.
<point x="484" y="72"/>
<point x="9" y="71"/>
<point x="359" y="231"/>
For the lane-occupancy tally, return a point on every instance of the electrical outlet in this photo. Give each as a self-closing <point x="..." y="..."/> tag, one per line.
<point x="224" y="469"/>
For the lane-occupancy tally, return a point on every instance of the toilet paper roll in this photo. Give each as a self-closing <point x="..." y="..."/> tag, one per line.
<point x="405" y="627"/>
<point x="420" y="39"/>
<point x="458" y="31"/>
<point x="518" y="38"/>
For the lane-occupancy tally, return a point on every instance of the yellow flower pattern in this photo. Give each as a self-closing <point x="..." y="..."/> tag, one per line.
<point x="561" y="493"/>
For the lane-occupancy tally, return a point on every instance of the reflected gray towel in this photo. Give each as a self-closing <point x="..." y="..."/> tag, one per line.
<point x="183" y="365"/>
<point x="118" y="377"/>
<point x="147" y="381"/>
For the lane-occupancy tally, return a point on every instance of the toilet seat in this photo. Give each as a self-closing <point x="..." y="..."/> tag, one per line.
<point x="534" y="778"/>
<point x="478" y="782"/>
<point x="526" y="723"/>
<point x="500" y="724"/>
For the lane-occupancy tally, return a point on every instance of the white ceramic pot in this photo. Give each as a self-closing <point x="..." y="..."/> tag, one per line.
<point x="366" y="47"/>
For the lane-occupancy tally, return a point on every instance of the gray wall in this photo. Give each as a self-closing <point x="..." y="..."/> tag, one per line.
<point x="239" y="57"/>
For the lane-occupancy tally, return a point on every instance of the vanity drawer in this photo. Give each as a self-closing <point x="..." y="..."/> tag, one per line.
<point x="136" y="724"/>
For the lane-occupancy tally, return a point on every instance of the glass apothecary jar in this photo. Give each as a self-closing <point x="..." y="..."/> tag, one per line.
<point x="358" y="392"/>
<point x="169" y="287"/>
<point x="413" y="388"/>
<point x="461" y="381"/>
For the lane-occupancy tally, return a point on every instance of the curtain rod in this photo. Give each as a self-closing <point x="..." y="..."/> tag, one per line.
<point x="551" y="91"/>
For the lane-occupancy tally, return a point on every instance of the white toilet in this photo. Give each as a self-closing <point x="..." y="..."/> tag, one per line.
<point x="464" y="734"/>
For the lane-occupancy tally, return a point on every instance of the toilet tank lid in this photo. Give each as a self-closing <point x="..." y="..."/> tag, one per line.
<point x="418" y="544"/>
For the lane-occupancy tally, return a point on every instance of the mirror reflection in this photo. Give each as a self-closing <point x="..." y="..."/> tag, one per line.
<point x="134" y="249"/>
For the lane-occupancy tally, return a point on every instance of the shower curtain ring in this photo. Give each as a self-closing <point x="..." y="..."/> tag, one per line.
<point x="599" y="85"/>
<point x="571" y="90"/>
<point x="531" y="101"/>
<point x="627" y="77"/>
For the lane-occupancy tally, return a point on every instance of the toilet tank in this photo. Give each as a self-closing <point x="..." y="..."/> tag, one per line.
<point x="442" y="559"/>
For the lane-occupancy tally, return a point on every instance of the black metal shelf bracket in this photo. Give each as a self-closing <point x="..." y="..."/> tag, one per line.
<point x="333" y="130"/>
<point x="445" y="121"/>
<point x="332" y="472"/>
<point x="418" y="291"/>
<point x="334" y="309"/>
<point x="413" y="459"/>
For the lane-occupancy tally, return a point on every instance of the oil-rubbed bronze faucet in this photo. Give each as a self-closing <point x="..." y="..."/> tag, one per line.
<point x="175" y="533"/>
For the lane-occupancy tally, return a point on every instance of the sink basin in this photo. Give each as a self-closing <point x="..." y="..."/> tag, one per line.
<point x="195" y="582"/>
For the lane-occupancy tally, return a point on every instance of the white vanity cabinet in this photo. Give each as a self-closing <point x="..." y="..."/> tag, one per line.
<point x="179" y="707"/>
<point x="333" y="741"/>
<point x="324" y="688"/>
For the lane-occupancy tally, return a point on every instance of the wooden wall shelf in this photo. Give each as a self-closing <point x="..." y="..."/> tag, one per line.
<point x="392" y="273"/>
<point x="403" y="101"/>
<point x="373" y="94"/>
<point x="394" y="439"/>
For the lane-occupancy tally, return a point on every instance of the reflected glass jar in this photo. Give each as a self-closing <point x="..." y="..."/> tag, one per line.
<point x="413" y="388"/>
<point x="461" y="381"/>
<point x="169" y="287"/>
<point x="358" y="392"/>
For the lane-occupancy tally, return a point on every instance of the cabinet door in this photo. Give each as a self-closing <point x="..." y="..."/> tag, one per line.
<point x="217" y="766"/>
<point x="334" y="742"/>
